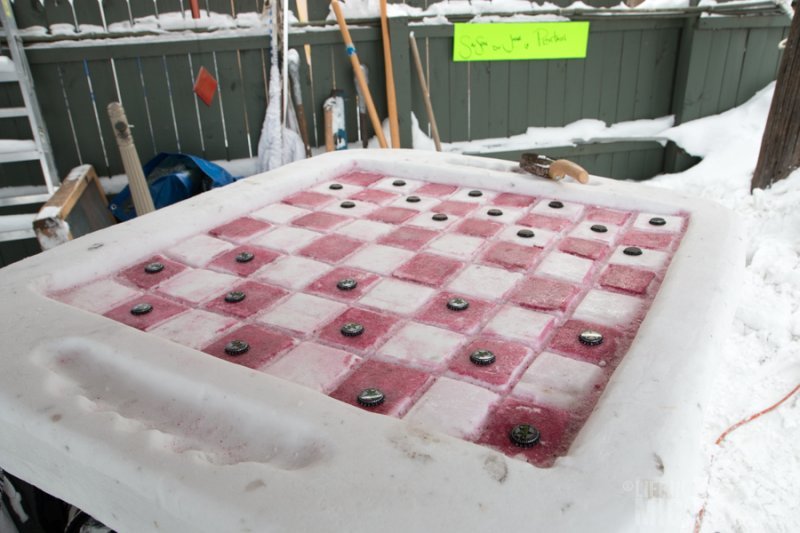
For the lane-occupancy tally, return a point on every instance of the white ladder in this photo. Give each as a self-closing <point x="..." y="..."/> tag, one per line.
<point x="37" y="149"/>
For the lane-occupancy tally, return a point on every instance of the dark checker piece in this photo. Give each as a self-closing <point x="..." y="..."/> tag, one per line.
<point x="412" y="199"/>
<point x="398" y="183"/>
<point x="370" y="397"/>
<point x="657" y="221"/>
<point x="494" y="212"/>
<point x="525" y="233"/>
<point x="335" y="186"/>
<point x="457" y="304"/>
<point x="245" y="257"/>
<point x="347" y="205"/>
<point x="347" y="284"/>
<point x="524" y="435"/>
<point x="439" y="217"/>
<point x="141" y="309"/>
<point x="236" y="347"/>
<point x="482" y="357"/>
<point x="591" y="337"/>
<point x="154" y="268"/>
<point x="234" y="297"/>
<point x="555" y="204"/>
<point x="352" y="329"/>
<point x="475" y="194"/>
<point x="599" y="228"/>
<point x="632" y="250"/>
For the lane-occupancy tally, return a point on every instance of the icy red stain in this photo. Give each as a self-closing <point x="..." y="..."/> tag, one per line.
<point x="320" y="221"/>
<point x="452" y="207"/>
<point x="162" y="310"/>
<point x="258" y="297"/>
<point x="544" y="293"/>
<point x="139" y="277"/>
<point x="376" y="326"/>
<point x="362" y="179"/>
<point x="327" y="284"/>
<point x="533" y="220"/>
<point x="436" y="189"/>
<point x="509" y="357"/>
<point x="331" y="248"/>
<point x="627" y="279"/>
<point x="511" y="256"/>
<point x="264" y="345"/>
<point x="400" y="385"/>
<point x="513" y="200"/>
<point x="240" y="229"/>
<point x="392" y="215"/>
<point x="566" y="341"/>
<point x="409" y="237"/>
<point x="478" y="228"/>
<point x="465" y="321"/>
<point x="428" y="269"/>
<point x="655" y="241"/>
<point x="583" y="248"/>
<point x="607" y="216"/>
<point x="227" y="262"/>
<point x="552" y="426"/>
<point x="308" y="199"/>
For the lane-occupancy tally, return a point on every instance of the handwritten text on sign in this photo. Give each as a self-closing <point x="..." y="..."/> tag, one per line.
<point x="520" y="40"/>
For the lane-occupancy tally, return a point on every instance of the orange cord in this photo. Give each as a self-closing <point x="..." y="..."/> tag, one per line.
<point x="753" y="417"/>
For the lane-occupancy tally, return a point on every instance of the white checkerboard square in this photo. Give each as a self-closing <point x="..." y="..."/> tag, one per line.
<point x="198" y="250"/>
<point x="98" y="296"/>
<point x="521" y="324"/>
<point x="649" y="259"/>
<point x="453" y="407"/>
<point x="197" y="286"/>
<point x="292" y="272"/>
<point x="302" y="313"/>
<point x="279" y="213"/>
<point x="584" y="231"/>
<point x="194" y="328"/>
<point x="560" y="382"/>
<point x="485" y="282"/>
<point x="379" y="258"/>
<point x="608" y="308"/>
<point x="461" y="247"/>
<point x="541" y="237"/>
<point x="423" y="346"/>
<point x="565" y="266"/>
<point x="569" y="210"/>
<point x="397" y="296"/>
<point x="673" y="223"/>
<point x="315" y="366"/>
<point x="285" y="239"/>
<point x="366" y="230"/>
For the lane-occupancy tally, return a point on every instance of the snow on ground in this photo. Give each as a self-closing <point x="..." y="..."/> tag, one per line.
<point x="754" y="475"/>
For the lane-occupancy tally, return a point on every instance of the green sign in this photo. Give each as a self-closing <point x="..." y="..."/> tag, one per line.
<point x="520" y="40"/>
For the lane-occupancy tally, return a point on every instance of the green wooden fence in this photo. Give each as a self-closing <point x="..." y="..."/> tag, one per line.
<point x="638" y="66"/>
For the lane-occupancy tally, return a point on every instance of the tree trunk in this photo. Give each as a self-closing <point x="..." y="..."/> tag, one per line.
<point x="780" y="146"/>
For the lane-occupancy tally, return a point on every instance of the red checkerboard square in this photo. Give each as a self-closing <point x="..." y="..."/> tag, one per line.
<point x="363" y="179"/>
<point x="331" y="248"/>
<point x="400" y="385"/>
<point x="162" y="310"/>
<point x="436" y="189"/>
<point x="513" y="200"/>
<point x="428" y="269"/>
<point x="264" y="345"/>
<point x="583" y="248"/>
<point x="532" y="220"/>
<point x="308" y="199"/>
<point x="607" y="216"/>
<point x="511" y="256"/>
<point x="375" y="196"/>
<point x="139" y="277"/>
<point x="509" y="357"/>
<point x="376" y="326"/>
<point x="566" y="341"/>
<point x="654" y="241"/>
<point x="479" y="228"/>
<point x="326" y="285"/>
<point x="452" y="207"/>
<point x="320" y="221"/>
<point x="544" y="293"/>
<point x="392" y="215"/>
<point x="258" y="296"/>
<point x="409" y="237"/>
<point x="227" y="262"/>
<point x="552" y="424"/>
<point x="627" y="279"/>
<point x="465" y="321"/>
<point x="240" y="229"/>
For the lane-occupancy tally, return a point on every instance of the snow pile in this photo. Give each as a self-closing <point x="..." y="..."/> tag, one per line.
<point x="754" y="476"/>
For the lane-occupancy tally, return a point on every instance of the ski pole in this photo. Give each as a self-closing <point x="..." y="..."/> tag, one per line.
<point x="351" y="51"/>
<point x="391" y="97"/>
<point x="426" y="95"/>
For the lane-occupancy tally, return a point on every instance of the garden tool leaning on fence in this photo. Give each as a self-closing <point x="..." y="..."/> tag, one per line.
<point x="543" y="166"/>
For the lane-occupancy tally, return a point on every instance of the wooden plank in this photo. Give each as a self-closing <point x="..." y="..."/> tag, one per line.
<point x="417" y="100"/>
<point x="181" y="79"/>
<point x="344" y="80"/>
<point x="732" y="68"/>
<point x="610" y="79"/>
<point x="247" y="6"/>
<point x="401" y="60"/>
<point x="13" y="251"/>
<point x="602" y="165"/>
<point x="479" y="100"/>
<point x="223" y="7"/>
<point x="619" y="165"/>
<point x="136" y="107"/>
<point x="498" y="103"/>
<point x="210" y="117"/>
<point x="459" y="101"/>
<point x="158" y="99"/>
<point x="700" y="56"/>
<point x="645" y="82"/>
<point x="58" y="12"/>
<point x="88" y="12"/>
<point x="105" y="92"/>
<point x="86" y="124"/>
<point x="628" y="75"/>
<point x="665" y="67"/>
<point x="537" y="93"/>
<point x="168" y="6"/>
<point x="517" y="111"/>
<point x="29" y="13"/>
<point x="255" y="96"/>
<point x="257" y="99"/>
<point x="142" y="9"/>
<point x="574" y="90"/>
<point x="437" y="67"/>
<point x="556" y="89"/>
<point x="371" y="55"/>
<point x="593" y="75"/>
<point x="712" y="87"/>
<point x="769" y="67"/>
<point x="322" y="67"/>
<point x="232" y="104"/>
<point x="732" y="23"/>
<point x="755" y="52"/>
<point x="116" y="11"/>
<point x="56" y="116"/>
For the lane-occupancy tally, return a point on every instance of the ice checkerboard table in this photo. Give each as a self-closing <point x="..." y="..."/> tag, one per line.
<point x="434" y="307"/>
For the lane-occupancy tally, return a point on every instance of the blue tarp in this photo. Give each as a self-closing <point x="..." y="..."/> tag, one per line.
<point x="172" y="178"/>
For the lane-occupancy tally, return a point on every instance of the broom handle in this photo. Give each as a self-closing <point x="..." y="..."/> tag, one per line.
<point x="362" y="83"/>
<point x="140" y="193"/>
<point x="426" y="95"/>
<point x="391" y="97"/>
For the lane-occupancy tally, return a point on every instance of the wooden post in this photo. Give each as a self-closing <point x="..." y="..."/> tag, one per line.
<point x="780" y="145"/>
<point x="140" y="192"/>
